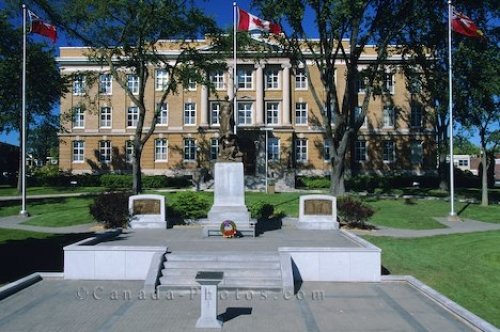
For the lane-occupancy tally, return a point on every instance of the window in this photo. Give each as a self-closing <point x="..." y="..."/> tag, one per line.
<point x="161" y="80"/>
<point x="272" y="113"/>
<point x="273" y="149"/>
<point x="415" y="84"/>
<point x="463" y="162"/>
<point x="359" y="114"/>
<point x="388" y="121"/>
<point x="214" y="148"/>
<point x="416" y="152"/>
<point x="105" y="117"/>
<point x="361" y="84"/>
<point x="78" y="118"/>
<point x="360" y="151"/>
<point x="189" y="149"/>
<point x="388" y="86"/>
<point x="300" y="79"/>
<point x="301" y="113"/>
<point x="245" y="113"/>
<point x="301" y="150"/>
<point x="132" y="116"/>
<point x="327" y="146"/>
<point x="388" y="152"/>
<point x="78" y="85"/>
<point x="133" y="84"/>
<point x="192" y="85"/>
<point x="129" y="151"/>
<point x="163" y="115"/>
<point x="78" y="151"/>
<point x="214" y="113"/>
<point x="245" y="79"/>
<point x="217" y="79"/>
<point x="272" y="78"/>
<point x="105" y="151"/>
<point x="161" y="149"/>
<point x="416" y="116"/>
<point x="105" y="84"/>
<point x="189" y="114"/>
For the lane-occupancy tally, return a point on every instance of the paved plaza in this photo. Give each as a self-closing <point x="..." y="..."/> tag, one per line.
<point x="57" y="305"/>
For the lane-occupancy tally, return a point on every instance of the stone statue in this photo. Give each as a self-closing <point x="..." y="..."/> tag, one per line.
<point x="229" y="150"/>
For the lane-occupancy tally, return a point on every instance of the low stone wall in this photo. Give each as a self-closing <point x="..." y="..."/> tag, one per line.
<point x="350" y="264"/>
<point x="85" y="260"/>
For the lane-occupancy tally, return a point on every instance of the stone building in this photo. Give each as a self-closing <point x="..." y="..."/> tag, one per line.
<point x="274" y="98"/>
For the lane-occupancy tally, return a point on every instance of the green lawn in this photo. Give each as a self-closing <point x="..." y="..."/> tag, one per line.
<point x="421" y="212"/>
<point x="16" y="235"/>
<point x="10" y="191"/>
<point x="464" y="267"/>
<point x="52" y="212"/>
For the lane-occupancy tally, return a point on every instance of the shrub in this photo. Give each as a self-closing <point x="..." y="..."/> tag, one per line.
<point x="189" y="205"/>
<point x="261" y="210"/>
<point x="111" y="209"/>
<point x="313" y="182"/>
<point x="352" y="211"/>
<point x="114" y="181"/>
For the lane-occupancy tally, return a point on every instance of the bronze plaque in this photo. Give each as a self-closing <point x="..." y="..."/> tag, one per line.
<point x="146" y="206"/>
<point x="318" y="207"/>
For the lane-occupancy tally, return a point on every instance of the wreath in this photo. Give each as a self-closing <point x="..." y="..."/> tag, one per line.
<point x="228" y="229"/>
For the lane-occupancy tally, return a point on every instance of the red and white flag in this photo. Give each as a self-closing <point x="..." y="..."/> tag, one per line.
<point x="464" y="25"/>
<point x="249" y="22"/>
<point x="41" y="27"/>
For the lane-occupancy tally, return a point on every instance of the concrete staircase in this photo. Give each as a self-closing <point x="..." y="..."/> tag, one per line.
<point x="253" y="270"/>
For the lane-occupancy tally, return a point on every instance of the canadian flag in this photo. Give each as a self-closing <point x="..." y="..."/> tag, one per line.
<point x="42" y="28"/>
<point x="249" y="22"/>
<point x="464" y="25"/>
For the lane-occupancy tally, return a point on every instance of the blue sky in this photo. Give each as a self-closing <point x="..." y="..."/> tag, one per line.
<point x="220" y="10"/>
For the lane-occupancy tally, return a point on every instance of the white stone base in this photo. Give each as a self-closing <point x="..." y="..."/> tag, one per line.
<point x="318" y="225"/>
<point x="229" y="195"/>
<point x="144" y="223"/>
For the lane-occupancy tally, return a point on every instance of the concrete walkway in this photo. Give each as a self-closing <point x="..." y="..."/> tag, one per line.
<point x="452" y="227"/>
<point x="16" y="222"/>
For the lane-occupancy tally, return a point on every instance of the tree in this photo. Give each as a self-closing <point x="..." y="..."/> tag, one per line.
<point x="44" y="83"/>
<point x="462" y="145"/>
<point x="124" y="37"/>
<point x="477" y="67"/>
<point x="362" y="23"/>
<point x="43" y="141"/>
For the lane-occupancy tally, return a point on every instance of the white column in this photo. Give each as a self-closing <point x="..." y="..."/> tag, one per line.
<point x="204" y="105"/>
<point x="285" y="107"/>
<point x="259" y="94"/>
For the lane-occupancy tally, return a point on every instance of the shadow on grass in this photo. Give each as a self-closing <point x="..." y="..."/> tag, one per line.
<point x="463" y="209"/>
<point x="23" y="257"/>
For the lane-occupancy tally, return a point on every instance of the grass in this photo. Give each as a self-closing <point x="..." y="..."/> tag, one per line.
<point x="23" y="253"/>
<point x="464" y="267"/>
<point x="52" y="212"/>
<point x="11" y="191"/>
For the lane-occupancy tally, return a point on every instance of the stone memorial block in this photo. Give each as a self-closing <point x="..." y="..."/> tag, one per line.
<point x="147" y="211"/>
<point x="318" y="212"/>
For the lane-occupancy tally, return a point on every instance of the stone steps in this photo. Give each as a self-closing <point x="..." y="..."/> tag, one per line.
<point x="241" y="271"/>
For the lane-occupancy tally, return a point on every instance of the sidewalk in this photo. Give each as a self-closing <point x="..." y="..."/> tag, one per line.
<point x="452" y="227"/>
<point x="15" y="222"/>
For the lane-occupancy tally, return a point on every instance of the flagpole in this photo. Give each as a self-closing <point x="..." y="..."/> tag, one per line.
<point x="235" y="79"/>
<point x="23" y="211"/>
<point x="452" y="216"/>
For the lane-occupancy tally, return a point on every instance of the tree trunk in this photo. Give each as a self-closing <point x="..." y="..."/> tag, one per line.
<point x="136" y="172"/>
<point x="484" y="179"/>
<point x="443" y="172"/>
<point x="337" y="187"/>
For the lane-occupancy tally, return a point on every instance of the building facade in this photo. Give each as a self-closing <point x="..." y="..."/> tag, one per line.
<point x="276" y="103"/>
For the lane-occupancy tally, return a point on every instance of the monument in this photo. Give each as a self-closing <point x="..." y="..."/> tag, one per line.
<point x="229" y="195"/>
<point x="317" y="212"/>
<point x="147" y="211"/>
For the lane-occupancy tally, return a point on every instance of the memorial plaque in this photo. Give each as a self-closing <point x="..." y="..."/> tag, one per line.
<point x="146" y="206"/>
<point x="318" y="207"/>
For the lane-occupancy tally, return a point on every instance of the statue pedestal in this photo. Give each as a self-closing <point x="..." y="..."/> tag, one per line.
<point x="229" y="196"/>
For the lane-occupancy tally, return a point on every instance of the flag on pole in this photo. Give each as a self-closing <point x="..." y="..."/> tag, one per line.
<point x="249" y="22"/>
<point x="464" y="25"/>
<point x="37" y="25"/>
